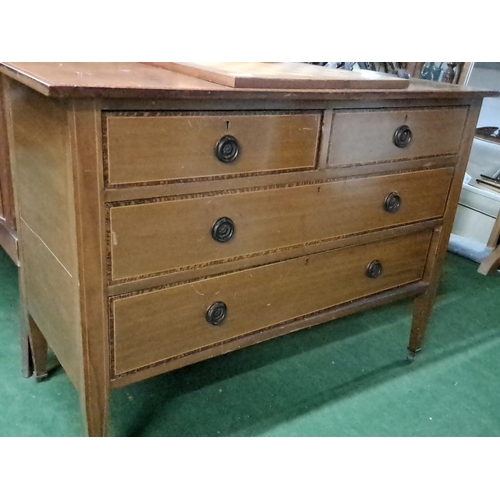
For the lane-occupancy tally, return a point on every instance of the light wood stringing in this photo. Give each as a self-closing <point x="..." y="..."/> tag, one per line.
<point x="152" y="238"/>
<point x="367" y="136"/>
<point x="148" y="149"/>
<point x="155" y="326"/>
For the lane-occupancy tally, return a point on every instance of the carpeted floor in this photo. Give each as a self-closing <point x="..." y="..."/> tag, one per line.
<point x="345" y="378"/>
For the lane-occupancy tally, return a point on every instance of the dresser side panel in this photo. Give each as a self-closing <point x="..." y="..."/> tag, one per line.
<point x="52" y="301"/>
<point x="43" y="175"/>
<point x="39" y="142"/>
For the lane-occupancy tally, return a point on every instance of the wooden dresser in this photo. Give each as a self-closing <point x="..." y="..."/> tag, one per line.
<point x="165" y="220"/>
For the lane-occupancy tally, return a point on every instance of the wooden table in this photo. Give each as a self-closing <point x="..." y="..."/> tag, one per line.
<point x="165" y="220"/>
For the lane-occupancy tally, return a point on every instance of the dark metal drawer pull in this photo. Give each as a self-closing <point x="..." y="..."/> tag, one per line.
<point x="392" y="202"/>
<point x="223" y="229"/>
<point x="227" y="149"/>
<point x="374" y="269"/>
<point x="402" y="136"/>
<point x="216" y="313"/>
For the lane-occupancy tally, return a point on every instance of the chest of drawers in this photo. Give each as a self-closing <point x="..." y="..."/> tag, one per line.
<point x="169" y="220"/>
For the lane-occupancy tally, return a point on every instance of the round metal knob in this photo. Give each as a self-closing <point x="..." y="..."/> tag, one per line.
<point x="223" y="229"/>
<point x="374" y="269"/>
<point x="392" y="202"/>
<point x="227" y="149"/>
<point x="216" y="313"/>
<point x="402" y="136"/>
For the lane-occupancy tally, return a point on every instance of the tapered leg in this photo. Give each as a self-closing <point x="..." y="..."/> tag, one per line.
<point x="94" y="403"/>
<point x="25" y="330"/>
<point x="26" y="357"/>
<point x="423" y="304"/>
<point x="422" y="308"/>
<point x="38" y="350"/>
<point x="33" y="344"/>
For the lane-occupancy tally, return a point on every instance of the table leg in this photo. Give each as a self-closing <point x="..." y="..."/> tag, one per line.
<point x="491" y="264"/>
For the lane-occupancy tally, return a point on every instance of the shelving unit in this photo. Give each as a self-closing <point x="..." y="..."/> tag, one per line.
<point x="478" y="211"/>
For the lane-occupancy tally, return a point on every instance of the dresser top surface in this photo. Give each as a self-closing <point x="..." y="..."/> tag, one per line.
<point x="144" y="81"/>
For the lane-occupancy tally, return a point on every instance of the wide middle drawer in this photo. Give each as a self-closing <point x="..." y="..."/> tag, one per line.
<point x="165" y="236"/>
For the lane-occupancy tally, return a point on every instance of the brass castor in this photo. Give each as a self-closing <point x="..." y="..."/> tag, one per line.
<point x="41" y="377"/>
<point x="410" y="357"/>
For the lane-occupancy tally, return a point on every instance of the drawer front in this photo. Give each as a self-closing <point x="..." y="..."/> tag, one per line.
<point x="359" y="137"/>
<point x="155" y="326"/>
<point x="153" y="238"/>
<point x="149" y="149"/>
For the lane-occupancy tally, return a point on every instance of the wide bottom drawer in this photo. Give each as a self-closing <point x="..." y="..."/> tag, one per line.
<point x="152" y="326"/>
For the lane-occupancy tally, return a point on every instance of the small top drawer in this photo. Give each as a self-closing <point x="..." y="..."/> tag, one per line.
<point x="360" y="137"/>
<point x="143" y="148"/>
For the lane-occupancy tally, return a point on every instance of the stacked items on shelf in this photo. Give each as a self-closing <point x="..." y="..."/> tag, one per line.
<point x="492" y="183"/>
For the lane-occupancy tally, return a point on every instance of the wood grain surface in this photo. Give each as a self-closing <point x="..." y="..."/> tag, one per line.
<point x="151" y="327"/>
<point x="53" y="302"/>
<point x="8" y="233"/>
<point x="44" y="180"/>
<point x="145" y="149"/>
<point x="283" y="75"/>
<point x="362" y="137"/>
<point x="87" y="172"/>
<point x="373" y="301"/>
<point x="424" y="303"/>
<point x="143" y="81"/>
<point x="152" y="238"/>
<point x="39" y="145"/>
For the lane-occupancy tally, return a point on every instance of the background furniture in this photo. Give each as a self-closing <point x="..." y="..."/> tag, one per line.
<point x="491" y="264"/>
<point x="476" y="222"/>
<point x="165" y="220"/>
<point x="478" y="207"/>
<point x="461" y="70"/>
